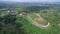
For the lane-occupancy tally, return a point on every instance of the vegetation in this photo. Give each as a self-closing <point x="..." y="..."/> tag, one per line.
<point x="32" y="15"/>
<point x="16" y="24"/>
<point x="9" y="25"/>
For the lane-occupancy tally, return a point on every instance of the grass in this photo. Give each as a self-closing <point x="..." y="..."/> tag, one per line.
<point x="42" y="21"/>
<point x="32" y="29"/>
<point x="32" y="15"/>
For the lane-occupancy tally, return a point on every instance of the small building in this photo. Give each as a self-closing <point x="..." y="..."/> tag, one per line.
<point x="12" y="12"/>
<point x="23" y="13"/>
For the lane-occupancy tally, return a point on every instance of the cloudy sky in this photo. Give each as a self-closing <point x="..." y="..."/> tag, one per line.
<point x="33" y="0"/>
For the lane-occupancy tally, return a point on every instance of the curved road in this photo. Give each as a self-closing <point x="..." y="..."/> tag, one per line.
<point x="35" y="23"/>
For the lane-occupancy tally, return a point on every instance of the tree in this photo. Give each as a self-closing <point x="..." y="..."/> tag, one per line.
<point x="9" y="19"/>
<point x="11" y="26"/>
<point x="1" y="19"/>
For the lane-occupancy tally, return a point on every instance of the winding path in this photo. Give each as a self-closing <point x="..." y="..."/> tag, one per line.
<point x="35" y="23"/>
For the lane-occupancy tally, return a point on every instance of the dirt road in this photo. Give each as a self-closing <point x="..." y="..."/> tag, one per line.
<point x="36" y="24"/>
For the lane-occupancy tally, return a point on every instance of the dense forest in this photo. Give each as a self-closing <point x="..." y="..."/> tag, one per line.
<point x="9" y="25"/>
